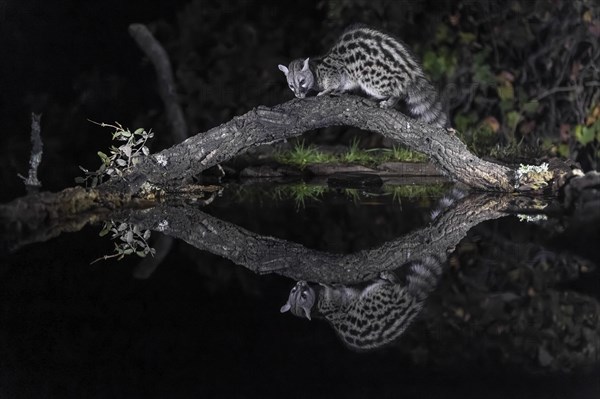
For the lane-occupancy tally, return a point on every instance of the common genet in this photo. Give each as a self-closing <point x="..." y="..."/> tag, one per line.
<point x="375" y="63"/>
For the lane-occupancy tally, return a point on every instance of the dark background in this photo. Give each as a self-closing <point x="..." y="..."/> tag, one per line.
<point x="201" y="326"/>
<point x="70" y="330"/>
<point x="74" y="61"/>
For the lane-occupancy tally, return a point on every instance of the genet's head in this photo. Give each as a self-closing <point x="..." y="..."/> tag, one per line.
<point x="299" y="77"/>
<point x="301" y="300"/>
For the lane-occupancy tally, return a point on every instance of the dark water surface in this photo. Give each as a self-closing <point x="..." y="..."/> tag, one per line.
<point x="513" y="315"/>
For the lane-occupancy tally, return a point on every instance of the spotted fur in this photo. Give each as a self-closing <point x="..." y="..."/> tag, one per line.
<point x="374" y="315"/>
<point x="375" y="63"/>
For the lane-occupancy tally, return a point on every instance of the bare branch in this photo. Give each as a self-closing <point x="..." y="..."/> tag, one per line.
<point x="264" y="254"/>
<point x="164" y="73"/>
<point x="31" y="181"/>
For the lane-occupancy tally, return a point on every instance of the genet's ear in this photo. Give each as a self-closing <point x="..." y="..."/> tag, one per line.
<point x="305" y="66"/>
<point x="285" y="307"/>
<point x="283" y="69"/>
<point x="306" y="312"/>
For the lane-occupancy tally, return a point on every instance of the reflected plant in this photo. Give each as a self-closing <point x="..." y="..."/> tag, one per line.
<point x="353" y="194"/>
<point x="414" y="191"/>
<point x="130" y="240"/>
<point x="303" y="192"/>
<point x="121" y="158"/>
<point x="300" y="193"/>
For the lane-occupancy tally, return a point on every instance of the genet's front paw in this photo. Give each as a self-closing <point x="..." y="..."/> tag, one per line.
<point x="389" y="103"/>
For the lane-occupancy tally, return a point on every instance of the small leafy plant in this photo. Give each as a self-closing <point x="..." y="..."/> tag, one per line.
<point x="301" y="193"/>
<point x="302" y="155"/>
<point x="402" y="154"/>
<point x="356" y="155"/>
<point x="121" y="158"/>
<point x="130" y="240"/>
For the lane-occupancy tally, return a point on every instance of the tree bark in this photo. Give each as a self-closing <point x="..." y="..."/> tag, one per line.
<point x="264" y="254"/>
<point x="265" y="125"/>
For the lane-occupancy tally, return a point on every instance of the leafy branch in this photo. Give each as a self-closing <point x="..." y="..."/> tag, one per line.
<point x="132" y="240"/>
<point x="121" y="158"/>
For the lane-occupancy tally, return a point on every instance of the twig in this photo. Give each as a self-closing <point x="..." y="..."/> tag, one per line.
<point x="556" y="90"/>
<point x="32" y="184"/>
<point x="166" y="84"/>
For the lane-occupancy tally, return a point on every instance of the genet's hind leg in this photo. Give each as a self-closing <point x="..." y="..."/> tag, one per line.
<point x="388" y="277"/>
<point x="389" y="102"/>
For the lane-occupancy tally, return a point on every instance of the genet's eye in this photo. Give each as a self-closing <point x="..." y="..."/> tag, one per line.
<point x="303" y="295"/>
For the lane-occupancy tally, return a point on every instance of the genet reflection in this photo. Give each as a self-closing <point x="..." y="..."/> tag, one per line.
<point x="498" y="298"/>
<point x="372" y="314"/>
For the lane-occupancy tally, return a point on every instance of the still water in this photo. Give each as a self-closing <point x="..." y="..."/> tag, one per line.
<point x="411" y="291"/>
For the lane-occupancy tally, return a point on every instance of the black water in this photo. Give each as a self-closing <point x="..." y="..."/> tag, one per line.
<point x="201" y="326"/>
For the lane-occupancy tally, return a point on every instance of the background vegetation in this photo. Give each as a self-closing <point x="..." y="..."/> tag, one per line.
<point x="519" y="78"/>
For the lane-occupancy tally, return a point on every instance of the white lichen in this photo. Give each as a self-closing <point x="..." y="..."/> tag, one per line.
<point x="162" y="225"/>
<point x="532" y="218"/>
<point x="161" y="159"/>
<point x="533" y="176"/>
<point x="524" y="169"/>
